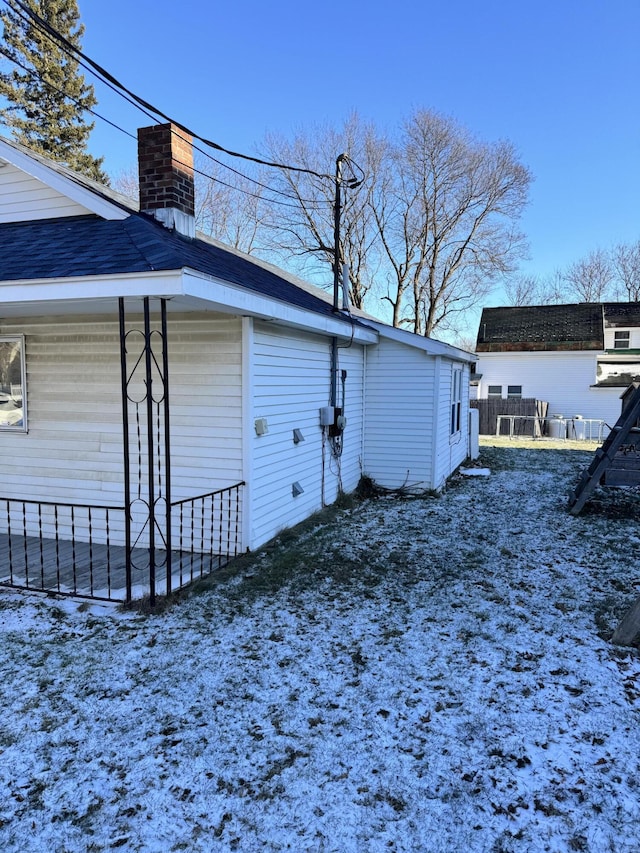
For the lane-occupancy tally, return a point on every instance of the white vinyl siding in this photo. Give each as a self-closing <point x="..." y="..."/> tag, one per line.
<point x="450" y="450"/>
<point x="563" y="379"/>
<point x="622" y="338"/>
<point x="73" y="450"/>
<point x="399" y="415"/>
<point x="291" y="382"/>
<point x="24" y="199"/>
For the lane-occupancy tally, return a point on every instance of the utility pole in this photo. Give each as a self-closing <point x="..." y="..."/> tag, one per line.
<point x="337" y="266"/>
<point x="336" y="277"/>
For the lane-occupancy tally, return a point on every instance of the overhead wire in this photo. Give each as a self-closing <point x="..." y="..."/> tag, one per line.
<point x="32" y="19"/>
<point x="60" y="91"/>
<point x="116" y="126"/>
<point x="107" y="76"/>
<point x="47" y="30"/>
<point x="234" y="186"/>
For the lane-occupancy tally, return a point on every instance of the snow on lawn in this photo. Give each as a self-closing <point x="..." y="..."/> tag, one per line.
<point x="418" y="675"/>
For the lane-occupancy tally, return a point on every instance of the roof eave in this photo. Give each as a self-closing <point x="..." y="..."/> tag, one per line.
<point x="186" y="290"/>
<point x="428" y="345"/>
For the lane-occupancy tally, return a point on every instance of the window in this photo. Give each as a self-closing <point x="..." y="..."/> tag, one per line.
<point x="621" y="340"/>
<point x="12" y="384"/>
<point x="494" y="391"/>
<point x="514" y="392"/>
<point x="456" y="399"/>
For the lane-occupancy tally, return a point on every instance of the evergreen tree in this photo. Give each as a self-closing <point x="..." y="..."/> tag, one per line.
<point x="47" y="96"/>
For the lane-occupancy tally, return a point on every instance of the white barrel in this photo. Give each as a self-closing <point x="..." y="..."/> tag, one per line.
<point x="579" y="428"/>
<point x="557" y="427"/>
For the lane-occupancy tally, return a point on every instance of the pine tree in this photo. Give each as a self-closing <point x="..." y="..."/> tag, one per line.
<point x="47" y="96"/>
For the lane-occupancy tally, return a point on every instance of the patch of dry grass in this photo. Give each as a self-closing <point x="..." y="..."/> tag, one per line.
<point x="529" y="443"/>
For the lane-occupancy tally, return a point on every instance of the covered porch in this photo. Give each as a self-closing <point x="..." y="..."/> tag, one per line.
<point x="69" y="549"/>
<point x="160" y="530"/>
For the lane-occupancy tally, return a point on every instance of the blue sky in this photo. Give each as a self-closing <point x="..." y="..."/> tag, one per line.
<point x="558" y="78"/>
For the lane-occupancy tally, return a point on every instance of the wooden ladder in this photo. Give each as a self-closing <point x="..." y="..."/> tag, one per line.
<point x="604" y="455"/>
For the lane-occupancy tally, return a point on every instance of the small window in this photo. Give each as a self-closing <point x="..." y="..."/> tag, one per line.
<point x="514" y="392"/>
<point x="494" y="391"/>
<point x="621" y="340"/>
<point x="456" y="399"/>
<point x="13" y="402"/>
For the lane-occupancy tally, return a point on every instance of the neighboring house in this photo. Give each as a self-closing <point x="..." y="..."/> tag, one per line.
<point x="160" y="392"/>
<point x="578" y="358"/>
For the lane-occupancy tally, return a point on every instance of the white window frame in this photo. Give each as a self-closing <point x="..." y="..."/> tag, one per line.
<point x="493" y="395"/>
<point x="13" y="391"/>
<point x="456" y="401"/>
<point x="514" y="395"/>
<point x="624" y="335"/>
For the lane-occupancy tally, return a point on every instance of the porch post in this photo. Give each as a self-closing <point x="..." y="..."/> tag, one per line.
<point x="151" y="417"/>
<point x="167" y="439"/>
<point x="150" y="454"/>
<point x="125" y="447"/>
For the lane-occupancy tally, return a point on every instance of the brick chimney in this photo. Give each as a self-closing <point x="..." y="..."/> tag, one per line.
<point x="165" y="171"/>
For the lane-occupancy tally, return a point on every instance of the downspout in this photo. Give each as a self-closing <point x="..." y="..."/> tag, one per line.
<point x="247" y="431"/>
<point x="436" y="421"/>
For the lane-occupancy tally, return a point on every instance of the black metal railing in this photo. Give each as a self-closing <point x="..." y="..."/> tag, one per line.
<point x="71" y="549"/>
<point x="80" y="550"/>
<point x="205" y="533"/>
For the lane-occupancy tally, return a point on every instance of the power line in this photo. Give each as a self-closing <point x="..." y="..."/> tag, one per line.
<point x="103" y="73"/>
<point x="237" y="188"/>
<point x="93" y="112"/>
<point x="44" y="28"/>
<point x="31" y="18"/>
<point x="234" y="187"/>
<point x="133" y="136"/>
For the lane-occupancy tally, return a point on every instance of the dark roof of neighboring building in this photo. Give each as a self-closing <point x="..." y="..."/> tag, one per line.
<point x="621" y="314"/>
<point x="90" y="246"/>
<point x="541" y="327"/>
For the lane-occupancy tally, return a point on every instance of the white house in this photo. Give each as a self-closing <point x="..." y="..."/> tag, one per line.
<point x="578" y="358"/>
<point x="162" y="394"/>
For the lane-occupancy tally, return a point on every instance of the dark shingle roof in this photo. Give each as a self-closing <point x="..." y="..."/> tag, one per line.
<point x="90" y="246"/>
<point x="541" y="327"/>
<point x="621" y="314"/>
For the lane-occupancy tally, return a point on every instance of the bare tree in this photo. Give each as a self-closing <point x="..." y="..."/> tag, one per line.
<point x="535" y="290"/>
<point x="432" y="224"/>
<point x="427" y="217"/>
<point x="625" y="259"/>
<point x="126" y="183"/>
<point x="552" y="289"/>
<point x="522" y="290"/>
<point x="469" y="196"/>
<point x="302" y="219"/>
<point x="590" y="279"/>
<point x="231" y="206"/>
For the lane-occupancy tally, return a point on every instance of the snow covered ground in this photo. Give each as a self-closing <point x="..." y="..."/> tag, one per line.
<point x="420" y="675"/>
